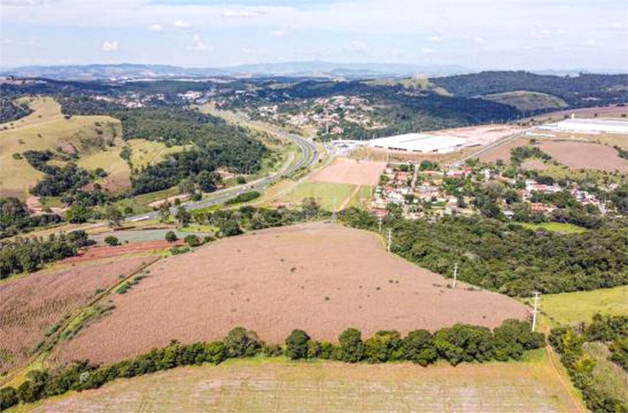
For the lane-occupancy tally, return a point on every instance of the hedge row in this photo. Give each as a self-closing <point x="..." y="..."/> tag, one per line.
<point x="455" y="344"/>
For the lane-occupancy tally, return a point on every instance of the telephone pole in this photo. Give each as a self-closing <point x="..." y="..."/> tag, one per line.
<point x="455" y="274"/>
<point x="389" y="238"/>
<point x="536" y="309"/>
<point x="379" y="224"/>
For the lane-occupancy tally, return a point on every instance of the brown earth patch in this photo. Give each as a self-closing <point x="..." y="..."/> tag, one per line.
<point x="34" y="303"/>
<point x="350" y="171"/>
<point x="93" y="253"/>
<point x="581" y="155"/>
<point x="318" y="277"/>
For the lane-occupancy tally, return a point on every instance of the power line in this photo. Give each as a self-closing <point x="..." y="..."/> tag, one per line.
<point x="536" y="309"/>
<point x="455" y="274"/>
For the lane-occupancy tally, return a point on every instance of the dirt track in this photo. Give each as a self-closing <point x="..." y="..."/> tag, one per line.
<point x="319" y="277"/>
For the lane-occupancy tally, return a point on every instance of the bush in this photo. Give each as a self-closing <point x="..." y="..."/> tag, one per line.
<point x="351" y="345"/>
<point x="241" y="342"/>
<point x="192" y="240"/>
<point x="112" y="241"/>
<point x="8" y="398"/>
<point x="171" y="236"/>
<point x="383" y="346"/>
<point x="297" y="344"/>
<point x="418" y="347"/>
<point x="464" y="342"/>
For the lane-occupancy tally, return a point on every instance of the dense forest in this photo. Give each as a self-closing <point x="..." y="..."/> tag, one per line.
<point x="583" y="90"/>
<point x="11" y="110"/>
<point x="508" y="258"/>
<point x="15" y="218"/>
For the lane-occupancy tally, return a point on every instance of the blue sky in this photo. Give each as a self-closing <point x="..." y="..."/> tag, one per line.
<point x="480" y="34"/>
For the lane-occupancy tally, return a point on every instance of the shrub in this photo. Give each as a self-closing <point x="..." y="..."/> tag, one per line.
<point x="464" y="342"/>
<point x="192" y="240"/>
<point x="351" y="345"/>
<point x="418" y="347"/>
<point x="241" y="342"/>
<point x="383" y="346"/>
<point x="215" y="352"/>
<point x="297" y="344"/>
<point x="112" y="241"/>
<point x="8" y="398"/>
<point x="171" y="236"/>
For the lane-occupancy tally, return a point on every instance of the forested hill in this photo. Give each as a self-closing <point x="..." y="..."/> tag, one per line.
<point x="582" y="90"/>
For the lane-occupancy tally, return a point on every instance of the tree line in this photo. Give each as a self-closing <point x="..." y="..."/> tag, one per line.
<point x="15" y="217"/>
<point x="456" y="344"/>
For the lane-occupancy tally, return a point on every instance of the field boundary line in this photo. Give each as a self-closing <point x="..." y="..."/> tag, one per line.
<point x="552" y="357"/>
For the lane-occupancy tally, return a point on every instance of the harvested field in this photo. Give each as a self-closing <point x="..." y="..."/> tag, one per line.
<point x="319" y="277"/>
<point x="32" y="304"/>
<point x="503" y="151"/>
<point x="580" y="155"/>
<point x="97" y="252"/>
<point x="350" y="171"/>
<point x="280" y="386"/>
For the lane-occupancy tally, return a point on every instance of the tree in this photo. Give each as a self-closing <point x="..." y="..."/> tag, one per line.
<point x="192" y="240"/>
<point x="351" y="345"/>
<point x="164" y="211"/>
<point x="8" y="397"/>
<point x="112" y="241"/>
<point x="114" y="216"/>
<point x="78" y="213"/>
<point x="208" y="181"/>
<point x="171" y="236"/>
<point x="186" y="186"/>
<point x="310" y="207"/>
<point x="297" y="344"/>
<point x="183" y="216"/>
<point x="383" y="347"/>
<point x="418" y="347"/>
<point x="241" y="342"/>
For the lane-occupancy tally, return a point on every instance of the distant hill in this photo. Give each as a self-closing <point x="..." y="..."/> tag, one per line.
<point x="302" y="69"/>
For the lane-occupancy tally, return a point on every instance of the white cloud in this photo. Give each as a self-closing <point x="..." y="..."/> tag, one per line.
<point x="236" y="14"/>
<point x="109" y="46"/>
<point x="427" y="50"/>
<point x="590" y="42"/>
<point x="358" y="46"/>
<point x="435" y="38"/>
<point x="478" y="39"/>
<point x="156" y="27"/>
<point x="198" y="45"/>
<point x="180" y="24"/>
<point x="279" y="33"/>
<point x="546" y="33"/>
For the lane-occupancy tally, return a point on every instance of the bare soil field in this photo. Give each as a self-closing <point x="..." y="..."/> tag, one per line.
<point x="318" y="277"/>
<point x="580" y="155"/>
<point x="278" y="386"/>
<point x="97" y="252"/>
<point x="479" y="135"/>
<point x="503" y="151"/>
<point x="350" y="171"/>
<point x="31" y="304"/>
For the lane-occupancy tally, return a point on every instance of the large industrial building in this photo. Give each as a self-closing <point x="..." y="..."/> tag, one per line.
<point x="420" y="143"/>
<point x="589" y="126"/>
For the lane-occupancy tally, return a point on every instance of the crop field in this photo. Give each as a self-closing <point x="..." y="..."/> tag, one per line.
<point x="46" y="128"/>
<point x="563" y="228"/>
<point x="581" y="155"/>
<point x="350" y="171"/>
<point x="528" y="101"/>
<point x="32" y="304"/>
<point x="571" y="308"/>
<point x="282" y="386"/>
<point x="319" y="277"/>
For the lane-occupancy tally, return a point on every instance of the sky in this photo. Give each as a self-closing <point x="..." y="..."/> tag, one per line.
<point x="478" y="34"/>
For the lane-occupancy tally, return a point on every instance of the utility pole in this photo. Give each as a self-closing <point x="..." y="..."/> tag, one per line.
<point x="389" y="238"/>
<point x="536" y="309"/>
<point x="379" y="224"/>
<point x="455" y="274"/>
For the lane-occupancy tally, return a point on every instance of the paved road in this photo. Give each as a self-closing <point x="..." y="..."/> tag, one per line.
<point x="308" y="155"/>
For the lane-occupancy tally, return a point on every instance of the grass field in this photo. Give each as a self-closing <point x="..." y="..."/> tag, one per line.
<point x="528" y="101"/>
<point x="563" y="228"/>
<point x="571" y="308"/>
<point x="324" y="192"/>
<point x="46" y="128"/>
<point x="279" y="385"/>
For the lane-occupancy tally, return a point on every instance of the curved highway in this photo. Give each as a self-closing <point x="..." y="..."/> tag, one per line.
<point x="309" y="155"/>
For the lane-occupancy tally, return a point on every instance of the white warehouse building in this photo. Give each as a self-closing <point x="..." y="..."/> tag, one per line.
<point x="589" y="126"/>
<point x="417" y="142"/>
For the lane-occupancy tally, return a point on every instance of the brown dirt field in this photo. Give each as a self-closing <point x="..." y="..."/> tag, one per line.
<point x="350" y="171"/>
<point x="503" y="151"/>
<point x="534" y="165"/>
<point x="580" y="155"/>
<point x="31" y="304"/>
<point x="319" y="277"/>
<point x="97" y="252"/>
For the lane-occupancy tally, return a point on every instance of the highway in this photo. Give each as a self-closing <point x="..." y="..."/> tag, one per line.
<point x="308" y="156"/>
